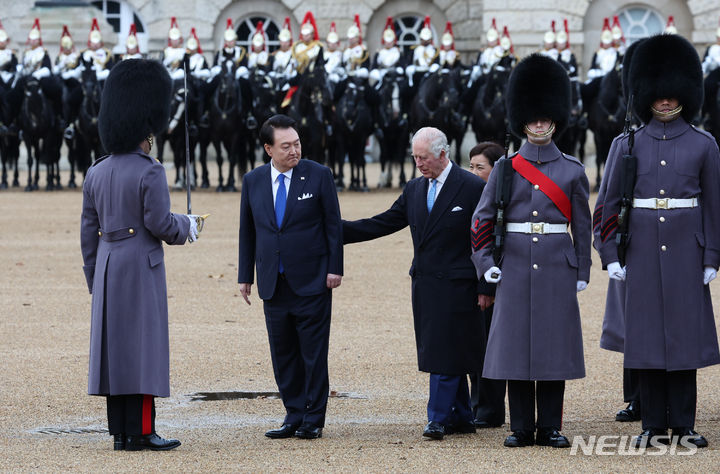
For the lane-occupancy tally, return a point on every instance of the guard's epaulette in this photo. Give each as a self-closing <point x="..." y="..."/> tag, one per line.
<point x="99" y="160"/>
<point x="572" y="159"/>
<point x="702" y="132"/>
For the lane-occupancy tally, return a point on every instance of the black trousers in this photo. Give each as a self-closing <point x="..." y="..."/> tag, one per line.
<point x="131" y="414"/>
<point x="668" y="398"/>
<point x="522" y="395"/>
<point x="299" y="331"/>
<point x="487" y="396"/>
<point x="631" y="386"/>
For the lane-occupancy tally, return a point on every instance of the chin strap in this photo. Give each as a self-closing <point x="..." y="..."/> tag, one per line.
<point x="546" y="134"/>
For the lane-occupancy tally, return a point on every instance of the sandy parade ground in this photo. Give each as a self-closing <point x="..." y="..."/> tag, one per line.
<point x="219" y="348"/>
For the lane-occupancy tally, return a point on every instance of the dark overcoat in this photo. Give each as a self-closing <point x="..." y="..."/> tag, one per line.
<point x="535" y="332"/>
<point x="669" y="321"/>
<point x="125" y="217"/>
<point x="445" y="287"/>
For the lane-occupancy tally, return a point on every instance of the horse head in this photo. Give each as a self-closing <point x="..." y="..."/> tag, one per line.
<point x="314" y="94"/>
<point x="265" y="96"/>
<point x="390" y="94"/>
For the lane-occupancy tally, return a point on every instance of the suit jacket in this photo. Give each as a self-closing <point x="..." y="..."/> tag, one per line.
<point x="444" y="283"/>
<point x="309" y="241"/>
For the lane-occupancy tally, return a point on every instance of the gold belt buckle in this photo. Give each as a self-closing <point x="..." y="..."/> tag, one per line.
<point x="661" y="203"/>
<point x="537" y="228"/>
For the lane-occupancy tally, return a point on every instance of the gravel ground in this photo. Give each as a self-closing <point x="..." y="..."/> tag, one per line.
<point x="219" y="344"/>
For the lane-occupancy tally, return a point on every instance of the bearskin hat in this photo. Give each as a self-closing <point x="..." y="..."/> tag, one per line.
<point x="626" y="64"/>
<point x="666" y="67"/>
<point x="135" y="103"/>
<point x="538" y="87"/>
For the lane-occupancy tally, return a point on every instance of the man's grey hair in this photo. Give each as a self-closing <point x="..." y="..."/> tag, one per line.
<point x="436" y="140"/>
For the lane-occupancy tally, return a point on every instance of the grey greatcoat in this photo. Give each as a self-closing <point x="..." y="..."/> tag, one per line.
<point x="613" y="328"/>
<point x="535" y="332"/>
<point x="125" y="217"/>
<point x="669" y="321"/>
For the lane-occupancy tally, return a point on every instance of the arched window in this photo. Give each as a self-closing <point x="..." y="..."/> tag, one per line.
<point x="640" y="22"/>
<point x="407" y="28"/>
<point x="246" y="29"/>
<point x="120" y="15"/>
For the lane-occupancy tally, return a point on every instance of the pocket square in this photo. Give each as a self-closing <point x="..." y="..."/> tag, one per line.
<point x="305" y="196"/>
<point x="456" y="208"/>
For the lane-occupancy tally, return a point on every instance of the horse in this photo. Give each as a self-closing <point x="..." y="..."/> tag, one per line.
<point x="311" y="107"/>
<point x="489" y="116"/>
<point x="225" y="113"/>
<point x="606" y="114"/>
<point x="711" y="105"/>
<point x="572" y="140"/>
<point x="393" y="126"/>
<point x="87" y="145"/>
<point x="37" y="124"/>
<point x="175" y="133"/>
<point x="9" y="141"/>
<point x="355" y="124"/>
<point x="265" y="102"/>
<point x="437" y="104"/>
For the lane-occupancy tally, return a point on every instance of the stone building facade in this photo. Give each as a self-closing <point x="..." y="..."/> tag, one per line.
<point x="527" y="20"/>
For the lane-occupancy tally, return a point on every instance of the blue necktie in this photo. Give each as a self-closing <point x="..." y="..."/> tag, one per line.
<point x="280" y="201"/>
<point x="431" y="194"/>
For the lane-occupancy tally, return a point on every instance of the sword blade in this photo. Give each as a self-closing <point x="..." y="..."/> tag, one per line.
<point x="187" y="142"/>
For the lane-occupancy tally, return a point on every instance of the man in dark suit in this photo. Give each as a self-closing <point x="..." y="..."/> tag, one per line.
<point x="438" y="207"/>
<point x="290" y="229"/>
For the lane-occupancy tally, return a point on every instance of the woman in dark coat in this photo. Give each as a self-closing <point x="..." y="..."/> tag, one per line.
<point x="125" y="217"/>
<point x="673" y="249"/>
<point x="535" y="339"/>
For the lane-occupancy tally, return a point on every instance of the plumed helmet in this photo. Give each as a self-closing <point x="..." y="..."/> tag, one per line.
<point x="663" y="67"/>
<point x="538" y="87"/>
<point x="135" y="103"/>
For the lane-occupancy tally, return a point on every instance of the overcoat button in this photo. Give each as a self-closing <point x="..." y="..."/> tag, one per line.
<point x="535" y="266"/>
<point x="131" y="230"/>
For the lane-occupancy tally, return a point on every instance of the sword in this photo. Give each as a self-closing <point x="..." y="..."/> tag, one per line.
<point x="199" y="219"/>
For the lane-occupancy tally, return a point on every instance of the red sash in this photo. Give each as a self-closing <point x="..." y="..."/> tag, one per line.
<point x="546" y="185"/>
<point x="288" y="96"/>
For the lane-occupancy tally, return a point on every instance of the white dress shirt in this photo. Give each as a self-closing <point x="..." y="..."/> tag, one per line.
<point x="274" y="173"/>
<point x="440" y="180"/>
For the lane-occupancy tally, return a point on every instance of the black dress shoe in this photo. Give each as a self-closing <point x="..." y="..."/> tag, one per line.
<point x="630" y="413"/>
<point x="152" y="442"/>
<point x="650" y="437"/>
<point x="434" y="430"/>
<point x="520" y="439"/>
<point x="686" y="435"/>
<point x="308" y="431"/>
<point x="466" y="427"/>
<point x="480" y="424"/>
<point x="285" y="431"/>
<point x="551" y="437"/>
<point x="119" y="442"/>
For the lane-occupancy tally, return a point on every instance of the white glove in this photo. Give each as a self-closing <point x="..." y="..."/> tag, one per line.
<point x="581" y="285"/>
<point x="709" y="274"/>
<point x="102" y="75"/>
<point x="177" y="74"/>
<point x="399" y="71"/>
<point x="362" y="73"/>
<point x="489" y="275"/>
<point x="202" y="73"/>
<point x="434" y="67"/>
<point x="193" y="232"/>
<point x="616" y="272"/>
<point x="40" y="73"/>
<point x="243" y="72"/>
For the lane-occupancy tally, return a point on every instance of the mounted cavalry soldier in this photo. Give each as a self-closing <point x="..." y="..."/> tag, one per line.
<point x="282" y="58"/>
<point x="67" y="60"/>
<point x="618" y="36"/>
<point x="565" y="55"/>
<point x="673" y="203"/>
<point x="333" y="56"/>
<point x="174" y="53"/>
<point x="606" y="57"/>
<point x="448" y="57"/>
<point x="132" y="47"/>
<point x="8" y="60"/>
<point x="66" y="67"/>
<point x="389" y="56"/>
<point x="549" y="47"/>
<point x="521" y="242"/>
<point x="258" y="57"/>
<point x="711" y="60"/>
<point x="97" y="55"/>
<point x="125" y="218"/>
<point x="425" y="56"/>
<point x="492" y="53"/>
<point x="305" y="51"/>
<point x="356" y="58"/>
<point x="196" y="62"/>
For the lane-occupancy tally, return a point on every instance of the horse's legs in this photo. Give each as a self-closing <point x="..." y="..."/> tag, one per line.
<point x="219" y="161"/>
<point x="4" y="182"/>
<point x="29" y="166"/>
<point x="203" y="165"/>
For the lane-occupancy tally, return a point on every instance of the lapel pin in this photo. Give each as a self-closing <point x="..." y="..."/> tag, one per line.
<point x="302" y="178"/>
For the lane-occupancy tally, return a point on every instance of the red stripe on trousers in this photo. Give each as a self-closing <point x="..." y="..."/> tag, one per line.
<point x="147" y="414"/>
